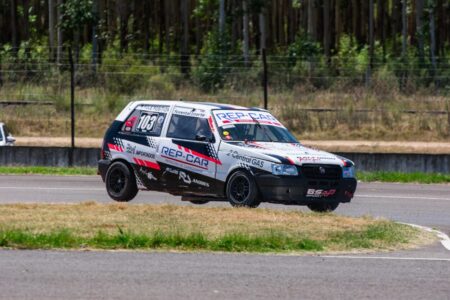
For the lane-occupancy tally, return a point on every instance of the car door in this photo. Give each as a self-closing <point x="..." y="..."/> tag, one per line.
<point x="188" y="152"/>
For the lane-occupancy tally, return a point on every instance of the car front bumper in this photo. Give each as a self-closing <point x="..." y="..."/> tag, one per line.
<point x="295" y="190"/>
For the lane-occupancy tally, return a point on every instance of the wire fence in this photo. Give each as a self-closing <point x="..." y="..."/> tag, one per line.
<point x="312" y="96"/>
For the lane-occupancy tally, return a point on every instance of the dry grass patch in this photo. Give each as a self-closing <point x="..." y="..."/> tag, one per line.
<point x="225" y="229"/>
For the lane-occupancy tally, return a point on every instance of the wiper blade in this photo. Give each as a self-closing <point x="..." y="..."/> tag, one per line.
<point x="264" y="129"/>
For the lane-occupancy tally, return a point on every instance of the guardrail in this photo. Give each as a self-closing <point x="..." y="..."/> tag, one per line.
<point x="60" y="157"/>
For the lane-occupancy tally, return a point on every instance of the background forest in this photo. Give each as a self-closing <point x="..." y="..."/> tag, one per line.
<point x="354" y="69"/>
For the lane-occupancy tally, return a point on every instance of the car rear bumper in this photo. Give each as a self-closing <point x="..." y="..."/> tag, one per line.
<point x="103" y="166"/>
<point x="299" y="190"/>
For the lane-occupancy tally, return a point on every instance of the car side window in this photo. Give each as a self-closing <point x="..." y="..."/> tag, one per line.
<point x="1" y="135"/>
<point x="145" y="122"/>
<point x="189" y="128"/>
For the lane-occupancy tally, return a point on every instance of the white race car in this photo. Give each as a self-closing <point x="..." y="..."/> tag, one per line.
<point x="216" y="152"/>
<point x="6" y="139"/>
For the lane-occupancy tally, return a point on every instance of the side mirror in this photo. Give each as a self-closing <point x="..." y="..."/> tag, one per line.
<point x="200" y="137"/>
<point x="10" y="140"/>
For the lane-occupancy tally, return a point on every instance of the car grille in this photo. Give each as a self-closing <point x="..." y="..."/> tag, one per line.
<point x="321" y="171"/>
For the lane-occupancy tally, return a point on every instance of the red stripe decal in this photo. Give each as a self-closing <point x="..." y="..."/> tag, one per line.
<point x="115" y="148"/>
<point x="146" y="163"/>
<point x="216" y="161"/>
<point x="184" y="162"/>
<point x="211" y="123"/>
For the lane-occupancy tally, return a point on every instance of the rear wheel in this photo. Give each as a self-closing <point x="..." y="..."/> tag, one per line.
<point x="242" y="190"/>
<point x="120" y="182"/>
<point x="323" y="207"/>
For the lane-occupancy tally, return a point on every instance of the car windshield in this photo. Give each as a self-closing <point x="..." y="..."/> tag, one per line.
<point x="251" y="126"/>
<point x="1" y="134"/>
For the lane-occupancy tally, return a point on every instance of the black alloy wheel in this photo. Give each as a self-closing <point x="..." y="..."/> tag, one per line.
<point x="120" y="182"/>
<point x="242" y="190"/>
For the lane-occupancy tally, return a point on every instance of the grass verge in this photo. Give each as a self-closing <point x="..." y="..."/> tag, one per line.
<point x="48" y="171"/>
<point x="404" y="177"/>
<point x="363" y="176"/>
<point x="168" y="227"/>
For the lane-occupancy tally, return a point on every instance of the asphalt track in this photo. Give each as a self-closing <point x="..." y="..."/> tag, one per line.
<point x="415" y="274"/>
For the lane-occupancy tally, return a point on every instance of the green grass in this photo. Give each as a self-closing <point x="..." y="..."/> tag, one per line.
<point x="389" y="234"/>
<point x="48" y="170"/>
<point x="404" y="177"/>
<point x="363" y="176"/>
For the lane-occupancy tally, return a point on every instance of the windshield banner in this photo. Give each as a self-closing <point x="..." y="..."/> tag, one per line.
<point x="231" y="117"/>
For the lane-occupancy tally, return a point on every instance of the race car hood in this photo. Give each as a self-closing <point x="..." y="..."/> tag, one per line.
<point x="294" y="153"/>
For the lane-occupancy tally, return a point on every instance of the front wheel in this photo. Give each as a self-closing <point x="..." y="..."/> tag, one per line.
<point x="120" y="182"/>
<point x="242" y="190"/>
<point x="323" y="207"/>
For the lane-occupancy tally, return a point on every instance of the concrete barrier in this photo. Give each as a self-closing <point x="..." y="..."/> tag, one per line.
<point x="59" y="157"/>
<point x="48" y="156"/>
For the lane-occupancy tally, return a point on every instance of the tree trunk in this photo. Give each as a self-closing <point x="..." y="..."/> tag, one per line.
<point x="51" y="29"/>
<point x="94" y="36"/>
<point x="184" y="62"/>
<point x="432" y="40"/>
<point x="371" y="42"/>
<point x="419" y="31"/>
<point x="167" y="25"/>
<point x="404" y="27"/>
<point x="245" y="44"/>
<point x="14" y="29"/>
<point x="262" y="30"/>
<point x="310" y="13"/>
<point x="122" y="6"/>
<point x="59" y="32"/>
<point x="326" y="28"/>
<point x="221" y="16"/>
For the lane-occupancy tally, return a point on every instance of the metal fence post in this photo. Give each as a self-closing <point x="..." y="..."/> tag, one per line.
<point x="72" y="107"/>
<point x="264" y="82"/>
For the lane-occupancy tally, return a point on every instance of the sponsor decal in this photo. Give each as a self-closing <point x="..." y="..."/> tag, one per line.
<point x="147" y="122"/>
<point x="183" y="176"/>
<point x="149" y="175"/>
<point x="186" y="156"/>
<point x="154" y="108"/>
<point x="320" y="193"/>
<point x="224" y="117"/>
<point x="190" y="112"/>
<point x="249" y="160"/>
<point x="313" y="158"/>
<point x="132" y="149"/>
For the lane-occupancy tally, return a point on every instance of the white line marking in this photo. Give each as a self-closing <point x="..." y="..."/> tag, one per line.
<point x="386" y="257"/>
<point x="401" y="197"/>
<point x="49" y="188"/>
<point x="445" y="240"/>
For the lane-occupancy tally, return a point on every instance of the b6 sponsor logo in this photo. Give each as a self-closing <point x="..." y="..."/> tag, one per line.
<point x="320" y="193"/>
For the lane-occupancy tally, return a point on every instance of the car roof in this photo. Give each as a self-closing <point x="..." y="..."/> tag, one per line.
<point x="201" y="105"/>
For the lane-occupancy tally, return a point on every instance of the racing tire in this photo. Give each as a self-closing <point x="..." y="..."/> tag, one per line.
<point x="242" y="190"/>
<point x="323" y="207"/>
<point x="199" y="202"/>
<point x="120" y="182"/>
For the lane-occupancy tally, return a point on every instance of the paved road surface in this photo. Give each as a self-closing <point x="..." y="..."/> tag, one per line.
<point x="415" y="274"/>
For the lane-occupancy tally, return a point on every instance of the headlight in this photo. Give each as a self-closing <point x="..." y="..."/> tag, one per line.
<point x="288" y="170"/>
<point x="348" y="172"/>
